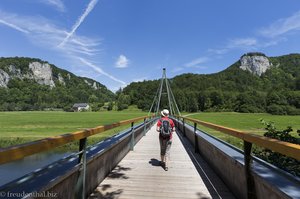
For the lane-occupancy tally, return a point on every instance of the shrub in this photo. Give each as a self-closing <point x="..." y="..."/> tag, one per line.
<point x="245" y="108"/>
<point x="288" y="164"/>
<point x="276" y="109"/>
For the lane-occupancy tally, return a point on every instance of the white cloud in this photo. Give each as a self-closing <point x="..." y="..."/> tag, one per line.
<point x="218" y="51"/>
<point x="242" y="43"/>
<point x="282" y="26"/>
<point x="89" y="8"/>
<point x="237" y="43"/>
<point x="58" y="4"/>
<point x="43" y="33"/>
<point x="196" y="62"/>
<point x="122" y="62"/>
<point x="177" y="69"/>
<point x="140" y="79"/>
<point x="273" y="35"/>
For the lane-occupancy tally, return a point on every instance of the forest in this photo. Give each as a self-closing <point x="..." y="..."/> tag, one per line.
<point x="23" y="94"/>
<point x="277" y="91"/>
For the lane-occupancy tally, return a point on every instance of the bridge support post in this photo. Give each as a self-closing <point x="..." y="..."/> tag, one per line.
<point x="150" y="121"/>
<point x="80" y="186"/>
<point x="132" y="137"/>
<point x="251" y="194"/>
<point x="145" y="126"/>
<point x="183" y="126"/>
<point x="196" y="138"/>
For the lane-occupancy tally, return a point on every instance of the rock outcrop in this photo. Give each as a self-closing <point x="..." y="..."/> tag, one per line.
<point x="4" y="78"/>
<point x="95" y="86"/>
<point x="42" y="73"/>
<point x="61" y="79"/>
<point x="16" y="72"/>
<point x="256" y="63"/>
<point x="92" y="84"/>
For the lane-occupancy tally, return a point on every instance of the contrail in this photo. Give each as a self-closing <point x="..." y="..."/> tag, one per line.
<point x="99" y="70"/>
<point x="58" y="4"/>
<point x="13" y="26"/>
<point x="89" y="8"/>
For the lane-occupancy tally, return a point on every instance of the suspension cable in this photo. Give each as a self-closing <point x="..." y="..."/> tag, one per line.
<point x="160" y="91"/>
<point x="171" y="98"/>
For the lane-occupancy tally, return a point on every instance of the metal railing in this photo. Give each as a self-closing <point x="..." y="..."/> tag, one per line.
<point x="285" y="148"/>
<point x="16" y="152"/>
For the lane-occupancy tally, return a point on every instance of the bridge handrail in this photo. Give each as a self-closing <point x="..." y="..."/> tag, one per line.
<point x="285" y="148"/>
<point x="22" y="150"/>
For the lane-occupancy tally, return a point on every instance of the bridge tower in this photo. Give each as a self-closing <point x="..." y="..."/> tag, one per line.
<point x="164" y="89"/>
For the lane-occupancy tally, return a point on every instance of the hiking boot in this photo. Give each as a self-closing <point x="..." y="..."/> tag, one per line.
<point x="163" y="164"/>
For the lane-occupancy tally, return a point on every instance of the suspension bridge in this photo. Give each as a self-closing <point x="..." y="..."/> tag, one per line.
<point x="127" y="165"/>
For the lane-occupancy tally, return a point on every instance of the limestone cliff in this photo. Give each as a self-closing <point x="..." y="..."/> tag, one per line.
<point x="40" y="72"/>
<point x="256" y="63"/>
<point x="4" y="78"/>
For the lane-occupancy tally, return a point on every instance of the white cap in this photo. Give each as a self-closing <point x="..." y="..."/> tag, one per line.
<point x="164" y="112"/>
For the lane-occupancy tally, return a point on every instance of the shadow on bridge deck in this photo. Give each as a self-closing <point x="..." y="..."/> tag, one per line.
<point x="139" y="175"/>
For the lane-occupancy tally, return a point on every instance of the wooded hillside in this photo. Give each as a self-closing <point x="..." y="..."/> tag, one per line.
<point x="277" y="91"/>
<point x="27" y="91"/>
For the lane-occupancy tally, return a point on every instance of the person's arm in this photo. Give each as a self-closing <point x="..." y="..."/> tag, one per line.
<point x="172" y="125"/>
<point x="158" y="126"/>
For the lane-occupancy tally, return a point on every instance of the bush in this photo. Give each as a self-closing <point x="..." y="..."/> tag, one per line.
<point x="288" y="164"/>
<point x="291" y="110"/>
<point x="276" y="109"/>
<point x="122" y="106"/>
<point x="245" y="108"/>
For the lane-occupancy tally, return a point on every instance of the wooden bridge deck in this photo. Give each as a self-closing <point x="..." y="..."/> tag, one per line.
<point x="139" y="175"/>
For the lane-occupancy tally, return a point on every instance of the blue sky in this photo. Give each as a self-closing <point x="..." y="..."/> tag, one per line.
<point x="117" y="42"/>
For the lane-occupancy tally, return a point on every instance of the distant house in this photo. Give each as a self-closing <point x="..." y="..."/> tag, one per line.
<point x="81" y="107"/>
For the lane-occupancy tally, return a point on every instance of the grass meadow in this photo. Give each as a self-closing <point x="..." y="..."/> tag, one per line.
<point x="21" y="127"/>
<point x="247" y="122"/>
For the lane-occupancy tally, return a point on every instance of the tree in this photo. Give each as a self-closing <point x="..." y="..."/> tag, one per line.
<point x="110" y="106"/>
<point x="250" y="102"/>
<point x="293" y="98"/>
<point x="216" y="98"/>
<point x="297" y="83"/>
<point x="192" y="103"/>
<point x="93" y="98"/>
<point x="123" y="101"/>
<point x="180" y="97"/>
<point x="276" y="98"/>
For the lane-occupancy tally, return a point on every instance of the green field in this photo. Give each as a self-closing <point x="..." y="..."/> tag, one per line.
<point x="247" y="122"/>
<point x="21" y="127"/>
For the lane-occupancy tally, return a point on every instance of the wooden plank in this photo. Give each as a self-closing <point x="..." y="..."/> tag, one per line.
<point x="20" y="151"/>
<point x="285" y="148"/>
<point x="139" y="176"/>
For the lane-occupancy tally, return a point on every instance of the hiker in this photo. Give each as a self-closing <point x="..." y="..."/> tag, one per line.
<point x="165" y="127"/>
